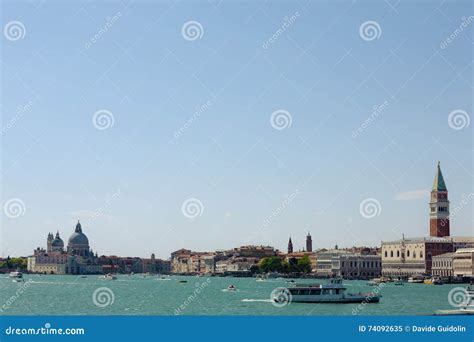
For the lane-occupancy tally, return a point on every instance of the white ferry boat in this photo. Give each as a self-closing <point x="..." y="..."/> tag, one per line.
<point x="333" y="292"/>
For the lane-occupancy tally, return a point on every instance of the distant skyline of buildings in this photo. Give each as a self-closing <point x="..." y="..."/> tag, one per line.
<point x="405" y="257"/>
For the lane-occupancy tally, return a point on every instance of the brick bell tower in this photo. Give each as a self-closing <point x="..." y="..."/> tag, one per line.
<point x="439" y="207"/>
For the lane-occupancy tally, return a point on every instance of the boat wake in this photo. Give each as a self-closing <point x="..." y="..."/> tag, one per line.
<point x="257" y="300"/>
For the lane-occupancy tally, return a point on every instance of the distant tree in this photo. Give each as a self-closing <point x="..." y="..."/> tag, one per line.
<point x="270" y="264"/>
<point x="304" y="264"/>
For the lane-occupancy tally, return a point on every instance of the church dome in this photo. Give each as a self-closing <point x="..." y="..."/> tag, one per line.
<point x="57" y="243"/>
<point x="78" y="238"/>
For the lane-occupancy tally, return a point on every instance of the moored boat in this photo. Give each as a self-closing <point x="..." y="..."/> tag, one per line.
<point x="417" y="279"/>
<point x="333" y="292"/>
<point x="16" y="274"/>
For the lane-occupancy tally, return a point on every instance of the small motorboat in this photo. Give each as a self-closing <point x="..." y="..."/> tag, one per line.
<point x="436" y="281"/>
<point x="231" y="288"/>
<point x="83" y="276"/>
<point x="183" y="281"/>
<point x="108" y="276"/>
<point x="16" y="274"/>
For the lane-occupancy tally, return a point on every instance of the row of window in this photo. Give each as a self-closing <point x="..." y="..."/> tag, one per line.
<point x="363" y="264"/>
<point x="408" y="254"/>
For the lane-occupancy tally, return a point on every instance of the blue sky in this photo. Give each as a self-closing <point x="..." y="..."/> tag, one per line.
<point x="255" y="184"/>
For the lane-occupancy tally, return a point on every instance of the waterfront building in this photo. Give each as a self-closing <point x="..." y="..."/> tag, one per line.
<point x="412" y="256"/>
<point x="462" y="242"/>
<point x="463" y="262"/>
<point x="442" y="265"/>
<point x="253" y="251"/>
<point x="344" y="263"/>
<point x="156" y="266"/>
<point x="357" y="266"/>
<point x="239" y="264"/>
<point x="78" y="258"/>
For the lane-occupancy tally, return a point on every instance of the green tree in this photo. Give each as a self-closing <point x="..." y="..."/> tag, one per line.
<point x="304" y="264"/>
<point x="270" y="264"/>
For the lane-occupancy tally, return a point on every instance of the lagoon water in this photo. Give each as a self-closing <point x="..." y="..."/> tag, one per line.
<point x="138" y="295"/>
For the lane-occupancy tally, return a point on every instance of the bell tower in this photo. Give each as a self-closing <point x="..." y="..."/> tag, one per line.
<point x="290" y="246"/>
<point x="309" y="243"/>
<point x="49" y="241"/>
<point x="439" y="207"/>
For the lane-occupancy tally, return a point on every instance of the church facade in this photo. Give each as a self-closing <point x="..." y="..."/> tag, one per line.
<point x="76" y="258"/>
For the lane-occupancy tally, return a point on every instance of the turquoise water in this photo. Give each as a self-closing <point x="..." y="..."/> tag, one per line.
<point x="136" y="295"/>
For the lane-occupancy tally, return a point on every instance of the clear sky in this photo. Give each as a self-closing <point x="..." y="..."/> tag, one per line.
<point x="190" y="117"/>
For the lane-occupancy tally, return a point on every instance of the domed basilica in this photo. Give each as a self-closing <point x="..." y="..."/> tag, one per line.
<point x="78" y="258"/>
